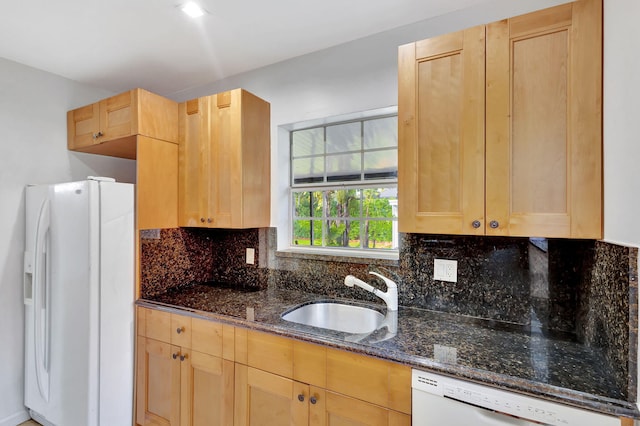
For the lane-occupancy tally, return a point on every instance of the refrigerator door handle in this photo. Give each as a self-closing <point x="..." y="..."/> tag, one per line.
<point x="41" y="300"/>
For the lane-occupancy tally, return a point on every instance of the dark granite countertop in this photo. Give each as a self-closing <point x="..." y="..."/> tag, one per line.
<point x="510" y="357"/>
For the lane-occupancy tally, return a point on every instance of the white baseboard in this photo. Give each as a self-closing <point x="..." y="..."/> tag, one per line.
<point x="15" y="419"/>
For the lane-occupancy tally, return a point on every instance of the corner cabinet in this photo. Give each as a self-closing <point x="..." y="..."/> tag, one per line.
<point x="141" y="126"/>
<point x="224" y="161"/>
<point x="182" y="377"/>
<point x="500" y="127"/>
<point x="109" y="127"/>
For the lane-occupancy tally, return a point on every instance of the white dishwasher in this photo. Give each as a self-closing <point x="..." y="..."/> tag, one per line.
<point x="444" y="401"/>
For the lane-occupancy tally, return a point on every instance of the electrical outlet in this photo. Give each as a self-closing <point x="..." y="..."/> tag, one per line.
<point x="445" y="270"/>
<point x="149" y="234"/>
<point x="251" y="256"/>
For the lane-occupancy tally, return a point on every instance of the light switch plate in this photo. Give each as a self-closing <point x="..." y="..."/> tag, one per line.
<point x="445" y="270"/>
<point x="251" y="256"/>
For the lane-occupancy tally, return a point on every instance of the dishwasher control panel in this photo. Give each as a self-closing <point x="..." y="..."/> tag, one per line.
<point x="513" y="404"/>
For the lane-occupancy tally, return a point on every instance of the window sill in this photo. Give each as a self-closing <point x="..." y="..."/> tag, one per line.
<point x="347" y="256"/>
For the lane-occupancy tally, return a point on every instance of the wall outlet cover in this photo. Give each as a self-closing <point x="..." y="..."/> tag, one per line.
<point x="149" y="234"/>
<point x="445" y="270"/>
<point x="251" y="256"/>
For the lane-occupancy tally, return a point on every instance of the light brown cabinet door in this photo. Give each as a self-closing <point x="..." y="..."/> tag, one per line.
<point x="240" y="158"/>
<point x="207" y="389"/>
<point x="544" y="147"/>
<point x="83" y="125"/>
<point x="158" y="383"/>
<point x="265" y="399"/>
<point x="118" y="116"/>
<point x="194" y="169"/>
<point x="333" y="409"/>
<point x="103" y="121"/>
<point x="441" y="134"/>
<point x="225" y="161"/>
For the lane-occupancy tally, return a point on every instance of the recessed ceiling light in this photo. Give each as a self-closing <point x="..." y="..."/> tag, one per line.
<point x="192" y="9"/>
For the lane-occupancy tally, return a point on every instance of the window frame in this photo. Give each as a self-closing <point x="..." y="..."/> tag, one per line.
<point x="327" y="185"/>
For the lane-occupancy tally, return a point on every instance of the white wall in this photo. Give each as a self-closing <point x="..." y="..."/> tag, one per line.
<point x="621" y="126"/>
<point x="622" y="121"/>
<point x="33" y="149"/>
<point x="353" y="77"/>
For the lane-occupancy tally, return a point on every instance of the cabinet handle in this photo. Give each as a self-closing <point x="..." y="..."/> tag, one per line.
<point x="313" y="400"/>
<point x="175" y="355"/>
<point x="179" y="330"/>
<point x="97" y="135"/>
<point x="476" y="224"/>
<point x="301" y="398"/>
<point x="494" y="224"/>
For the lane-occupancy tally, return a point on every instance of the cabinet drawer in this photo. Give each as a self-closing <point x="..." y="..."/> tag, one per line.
<point x="343" y="407"/>
<point x="206" y="337"/>
<point x="270" y="353"/>
<point x="165" y="327"/>
<point x="310" y="363"/>
<point x="157" y="325"/>
<point x="369" y="379"/>
<point x="140" y="321"/>
<point x="181" y="330"/>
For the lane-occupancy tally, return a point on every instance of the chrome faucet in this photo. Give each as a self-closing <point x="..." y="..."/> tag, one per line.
<point x="390" y="297"/>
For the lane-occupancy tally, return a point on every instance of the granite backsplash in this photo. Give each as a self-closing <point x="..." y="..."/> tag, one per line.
<point x="584" y="290"/>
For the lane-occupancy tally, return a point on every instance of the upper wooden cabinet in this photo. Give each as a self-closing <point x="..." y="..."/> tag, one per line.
<point x="441" y="133"/>
<point x="224" y="161"/>
<point x="500" y="127"/>
<point x="109" y="127"/>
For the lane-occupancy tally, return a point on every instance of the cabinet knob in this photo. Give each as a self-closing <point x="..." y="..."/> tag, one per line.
<point x="301" y="398"/>
<point x="476" y="224"/>
<point x="179" y="330"/>
<point x="494" y="224"/>
<point x="97" y="135"/>
<point x="183" y="357"/>
<point x="175" y="355"/>
<point x="313" y="400"/>
<point x="202" y="219"/>
<point x="209" y="220"/>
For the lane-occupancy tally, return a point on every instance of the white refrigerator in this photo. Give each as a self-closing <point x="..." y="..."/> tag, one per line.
<point x="78" y="296"/>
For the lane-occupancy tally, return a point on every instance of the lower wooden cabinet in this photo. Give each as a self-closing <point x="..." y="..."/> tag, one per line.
<point x="206" y="390"/>
<point x="158" y="383"/>
<point x="339" y="410"/>
<point x="266" y="399"/>
<point x="176" y="384"/>
<point x="194" y="372"/>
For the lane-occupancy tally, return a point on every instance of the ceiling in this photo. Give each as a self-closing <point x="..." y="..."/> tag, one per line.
<point x="120" y="44"/>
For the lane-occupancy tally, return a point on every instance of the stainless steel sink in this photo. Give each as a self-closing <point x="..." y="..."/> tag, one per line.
<point x="336" y="316"/>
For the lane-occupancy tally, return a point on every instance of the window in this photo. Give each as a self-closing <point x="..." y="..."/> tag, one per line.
<point x="344" y="185"/>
